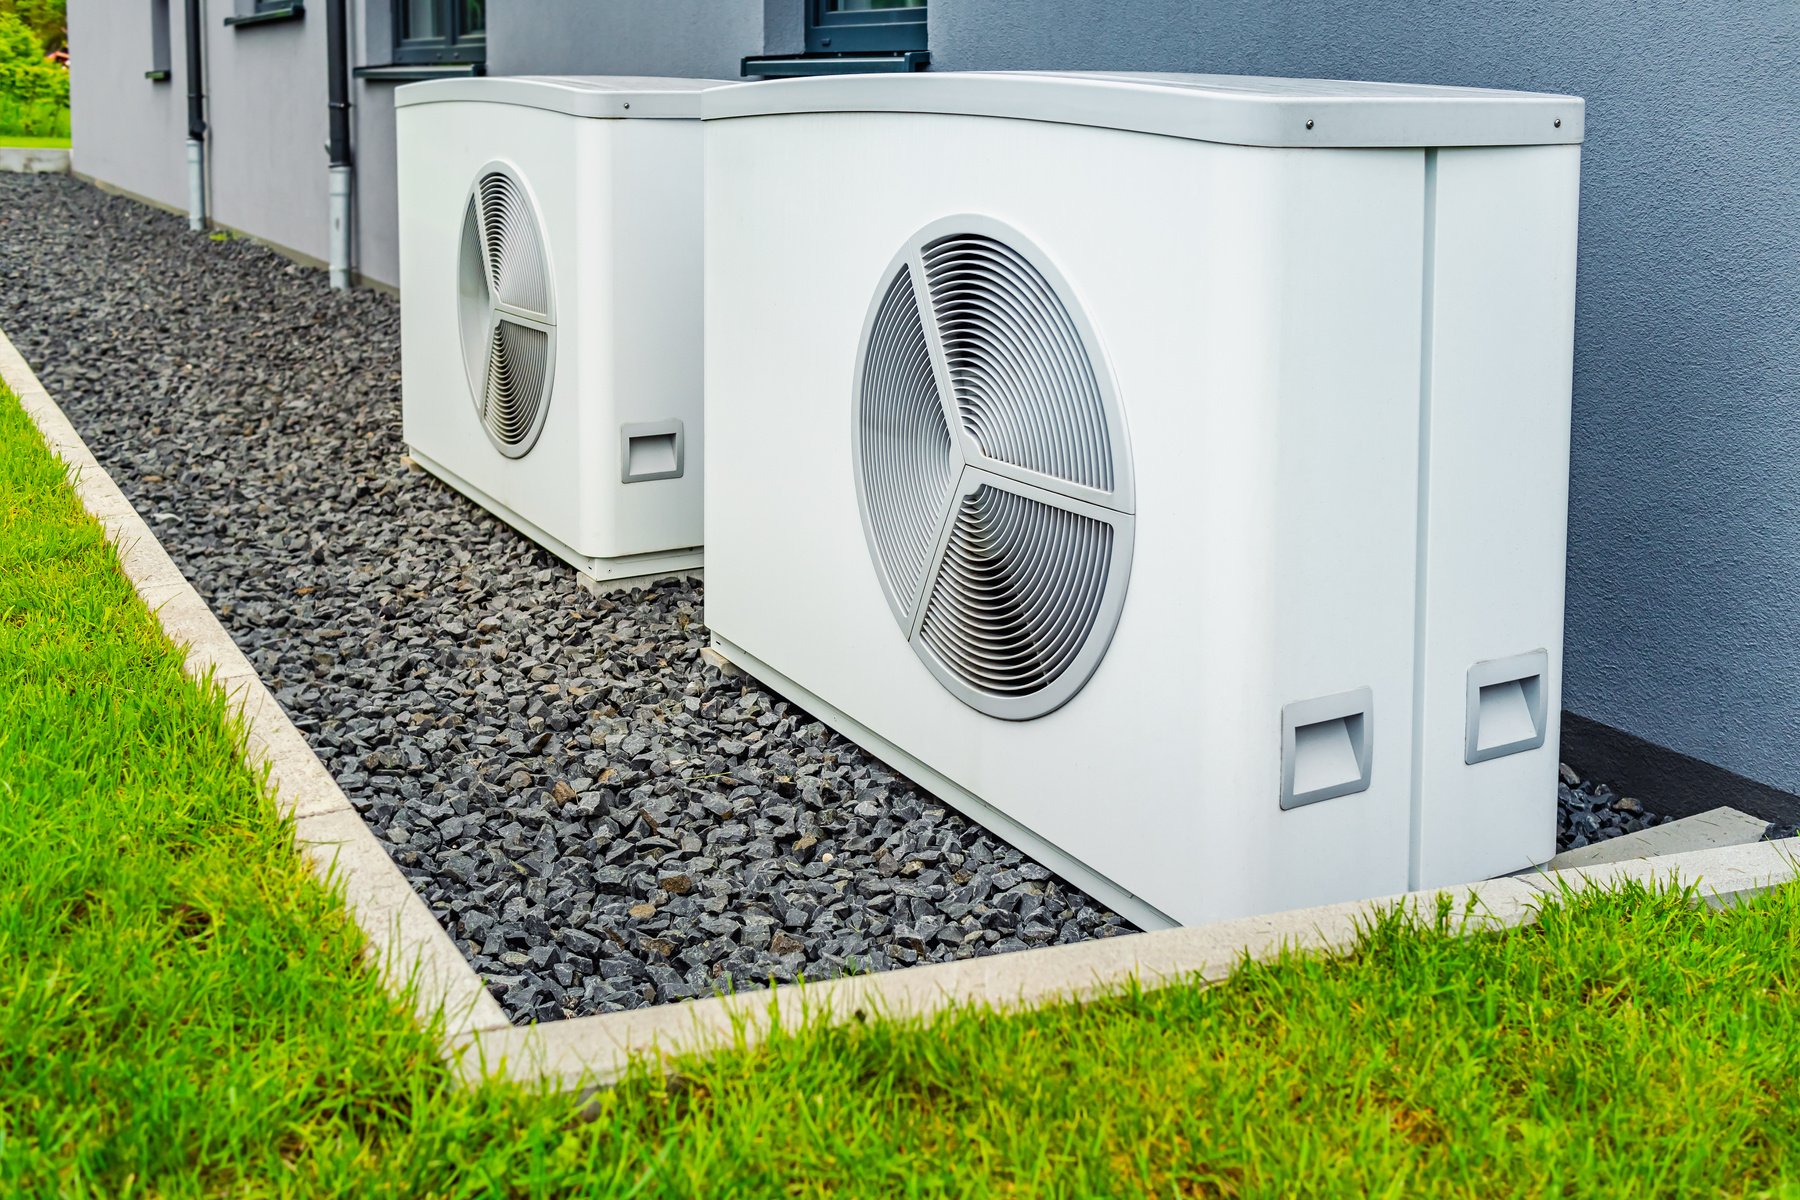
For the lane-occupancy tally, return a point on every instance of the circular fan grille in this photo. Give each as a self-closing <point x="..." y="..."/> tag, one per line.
<point x="1003" y="547"/>
<point x="508" y="322"/>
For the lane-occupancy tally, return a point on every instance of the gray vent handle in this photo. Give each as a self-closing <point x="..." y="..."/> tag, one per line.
<point x="652" y="450"/>
<point x="1326" y="745"/>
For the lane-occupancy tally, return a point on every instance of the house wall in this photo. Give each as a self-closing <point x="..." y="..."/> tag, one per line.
<point x="267" y="123"/>
<point x="129" y="131"/>
<point x="1684" y="547"/>
<point x="375" y="227"/>
<point x="266" y="128"/>
<point x="703" y="39"/>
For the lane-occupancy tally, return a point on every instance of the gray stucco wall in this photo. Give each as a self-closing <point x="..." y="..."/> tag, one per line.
<point x="266" y="123"/>
<point x="698" y="38"/>
<point x="129" y="131"/>
<point x="376" y="223"/>
<point x="1684" y="527"/>
<point x="266" y="117"/>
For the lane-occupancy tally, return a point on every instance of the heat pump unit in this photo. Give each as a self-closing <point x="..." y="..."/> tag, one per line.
<point x="550" y="271"/>
<point x="1168" y="471"/>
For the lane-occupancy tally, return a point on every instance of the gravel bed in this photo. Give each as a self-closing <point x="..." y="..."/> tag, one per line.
<point x="600" y="819"/>
<point x="1589" y="812"/>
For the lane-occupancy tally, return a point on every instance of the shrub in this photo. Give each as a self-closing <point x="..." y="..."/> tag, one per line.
<point x="47" y="20"/>
<point x="30" y="84"/>
<point x="34" y="94"/>
<point x="18" y="44"/>
<point x="37" y="118"/>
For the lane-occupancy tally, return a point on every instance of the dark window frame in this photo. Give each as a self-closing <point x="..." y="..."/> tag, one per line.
<point x="878" y="29"/>
<point x="457" y="45"/>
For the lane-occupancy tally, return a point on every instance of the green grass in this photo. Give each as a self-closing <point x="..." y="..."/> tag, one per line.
<point x="34" y="143"/>
<point x="182" y="1012"/>
<point x="32" y="119"/>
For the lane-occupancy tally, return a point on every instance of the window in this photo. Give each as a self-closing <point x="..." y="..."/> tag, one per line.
<point x="852" y="36"/>
<point x="265" y="12"/>
<point x="440" y="31"/>
<point x="159" y="41"/>
<point x="859" y="26"/>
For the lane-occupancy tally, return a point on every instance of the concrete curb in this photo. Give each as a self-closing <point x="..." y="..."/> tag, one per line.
<point x="409" y="946"/>
<point x="413" y="954"/>
<point x="34" y="160"/>
<point x="596" y="1051"/>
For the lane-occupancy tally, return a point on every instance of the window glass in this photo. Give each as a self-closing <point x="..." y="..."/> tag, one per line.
<point x="422" y="19"/>
<point x="474" y="19"/>
<point x="870" y="5"/>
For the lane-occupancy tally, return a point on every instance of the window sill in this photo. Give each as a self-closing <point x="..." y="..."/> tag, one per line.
<point x="783" y="66"/>
<point x="409" y="72"/>
<point x="267" y="16"/>
<point x="157" y="76"/>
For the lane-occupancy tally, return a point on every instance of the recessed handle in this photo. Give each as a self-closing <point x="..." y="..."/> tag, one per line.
<point x="1326" y="747"/>
<point x="1507" y="698"/>
<point x="651" y="450"/>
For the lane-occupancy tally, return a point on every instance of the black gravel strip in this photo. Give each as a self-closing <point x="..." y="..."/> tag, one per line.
<point x="1589" y="812"/>
<point x="601" y="820"/>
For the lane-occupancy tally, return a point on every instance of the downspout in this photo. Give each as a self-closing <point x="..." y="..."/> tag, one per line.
<point x="337" y="47"/>
<point x="196" y="139"/>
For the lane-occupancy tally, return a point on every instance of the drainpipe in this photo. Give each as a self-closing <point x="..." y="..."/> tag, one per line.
<point x="337" y="48"/>
<point x="196" y="139"/>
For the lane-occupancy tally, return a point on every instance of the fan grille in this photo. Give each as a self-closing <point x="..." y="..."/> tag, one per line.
<point x="1018" y="593"/>
<point x="1004" y="546"/>
<point x="517" y="368"/>
<point x="508" y="326"/>
<point x="1025" y="387"/>
<point x="515" y="253"/>
<point x="906" y="462"/>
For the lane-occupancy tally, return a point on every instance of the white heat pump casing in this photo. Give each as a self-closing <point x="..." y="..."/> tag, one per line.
<point x="1261" y="312"/>
<point x="617" y="195"/>
<point x="1501" y="295"/>
<point x="1266" y="568"/>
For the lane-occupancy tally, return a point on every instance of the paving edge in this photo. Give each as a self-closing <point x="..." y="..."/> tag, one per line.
<point x="413" y="954"/>
<point x="595" y="1051"/>
<point x="34" y="160"/>
<point x="409" y="945"/>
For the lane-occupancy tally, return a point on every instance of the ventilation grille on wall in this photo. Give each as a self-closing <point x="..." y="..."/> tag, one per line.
<point x="1003" y="549"/>
<point x="508" y="318"/>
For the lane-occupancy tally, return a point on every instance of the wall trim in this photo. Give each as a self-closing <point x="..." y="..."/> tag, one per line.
<point x="1670" y="783"/>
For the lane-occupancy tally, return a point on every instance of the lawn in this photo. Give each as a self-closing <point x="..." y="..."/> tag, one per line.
<point x="184" y="1013"/>
<point x="34" y="143"/>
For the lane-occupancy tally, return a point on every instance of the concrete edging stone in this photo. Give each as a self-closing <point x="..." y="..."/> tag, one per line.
<point x="595" y="1051"/>
<point x="407" y="943"/>
<point x="34" y="160"/>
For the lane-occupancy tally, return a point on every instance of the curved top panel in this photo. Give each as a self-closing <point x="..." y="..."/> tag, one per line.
<point x="600" y="96"/>
<point x="1240" y="110"/>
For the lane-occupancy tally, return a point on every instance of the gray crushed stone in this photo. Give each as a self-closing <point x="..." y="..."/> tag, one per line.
<point x="600" y="819"/>
<point x="1588" y="811"/>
